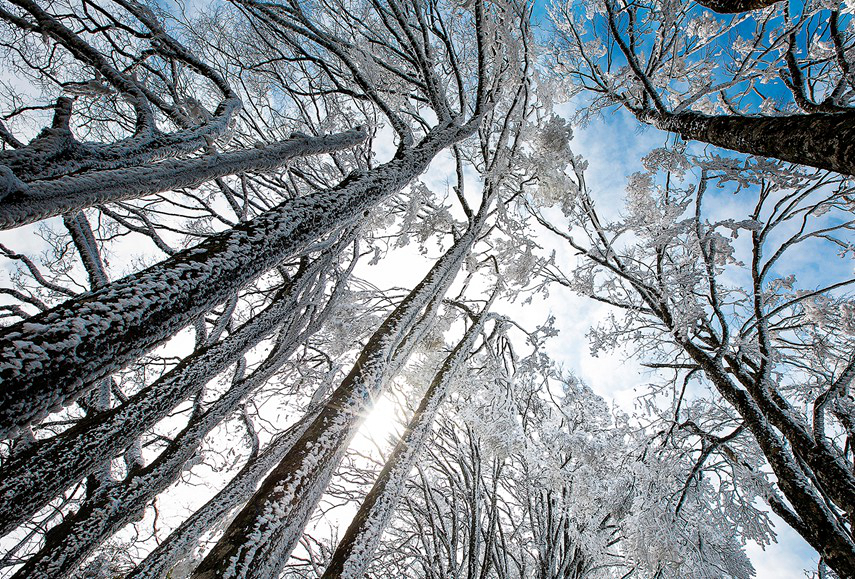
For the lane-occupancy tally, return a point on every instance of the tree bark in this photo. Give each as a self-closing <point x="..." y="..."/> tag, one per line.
<point x="50" y="359"/>
<point x="355" y="550"/>
<point x="819" y="526"/>
<point x="34" y="477"/>
<point x="112" y="507"/>
<point x="181" y="542"/>
<point x="735" y="6"/>
<point x="73" y="193"/>
<point x="821" y="140"/>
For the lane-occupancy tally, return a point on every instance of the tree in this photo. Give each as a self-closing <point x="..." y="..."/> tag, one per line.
<point x="777" y="354"/>
<point x="287" y="300"/>
<point x="354" y="552"/>
<point x="263" y="157"/>
<point x="36" y="475"/>
<point x="69" y="543"/>
<point x="182" y="540"/>
<point x="765" y="83"/>
<point x="45" y="362"/>
<point x="262" y="536"/>
<point x="528" y="473"/>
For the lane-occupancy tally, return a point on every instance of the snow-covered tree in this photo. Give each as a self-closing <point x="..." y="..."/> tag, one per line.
<point x="194" y="333"/>
<point x="155" y="115"/>
<point x="265" y="532"/>
<point x="45" y="363"/>
<point x="529" y="474"/>
<point x="776" y="82"/>
<point x="706" y="285"/>
<point x="262" y="272"/>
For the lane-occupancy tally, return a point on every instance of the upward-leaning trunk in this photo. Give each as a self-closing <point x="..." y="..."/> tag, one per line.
<point x="183" y="540"/>
<point x="260" y="539"/>
<point x="355" y="550"/>
<point x="736" y="6"/>
<point x="112" y="507"/>
<point x="70" y="194"/>
<point x="50" y="359"/>
<point x="821" y="140"/>
<point x="34" y="477"/>
<point x="819" y="525"/>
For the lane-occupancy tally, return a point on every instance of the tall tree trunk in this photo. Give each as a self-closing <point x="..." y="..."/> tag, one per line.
<point x="112" y="507"/>
<point x="259" y="541"/>
<point x="44" y="470"/>
<point x="355" y="550"/>
<point x="821" y="140"/>
<point x="815" y="520"/>
<point x="73" y="193"/>
<point x="50" y="359"/>
<point x="181" y="542"/>
<point x="736" y="6"/>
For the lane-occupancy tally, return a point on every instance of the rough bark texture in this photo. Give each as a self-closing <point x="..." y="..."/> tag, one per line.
<point x="112" y="507"/>
<point x="69" y="194"/>
<point x="355" y="550"/>
<point x="181" y="542"/>
<point x="50" y="359"/>
<point x="735" y="6"/>
<point x="34" y="477"/>
<point x="824" y="141"/>
<point x="259" y="541"/>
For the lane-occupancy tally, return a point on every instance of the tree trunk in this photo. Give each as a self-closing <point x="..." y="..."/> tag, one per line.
<point x="181" y="542"/>
<point x="259" y="541"/>
<point x="97" y="401"/>
<point x="355" y="550"/>
<point x="51" y="358"/>
<point x="44" y="470"/>
<point x="70" y="194"/>
<point x="819" y="525"/>
<point x="735" y="6"/>
<point x="110" y="508"/>
<point x="821" y="140"/>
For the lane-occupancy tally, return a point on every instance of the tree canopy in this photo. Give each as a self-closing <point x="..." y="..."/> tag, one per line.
<point x="318" y="288"/>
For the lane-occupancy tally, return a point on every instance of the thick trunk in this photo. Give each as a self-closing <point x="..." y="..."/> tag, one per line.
<point x="184" y="539"/>
<point x="736" y="6"/>
<point x="70" y="194"/>
<point x="50" y="359"/>
<point x="34" y="477"/>
<point x="824" y="141"/>
<point x="259" y="541"/>
<point x="355" y="550"/>
<point x="111" y="508"/>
